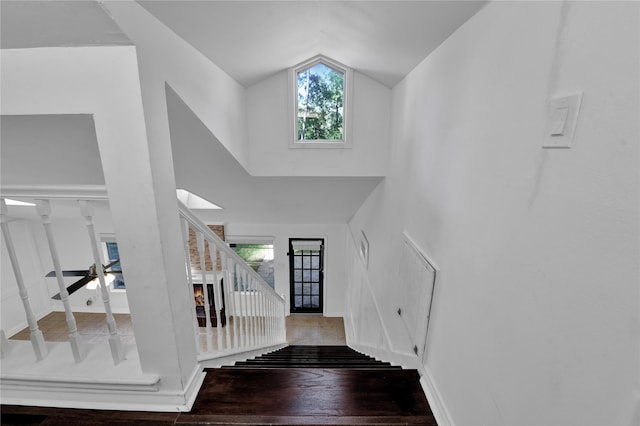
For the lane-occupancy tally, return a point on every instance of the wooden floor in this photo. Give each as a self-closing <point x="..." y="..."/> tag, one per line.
<point x="301" y="329"/>
<point x="321" y="384"/>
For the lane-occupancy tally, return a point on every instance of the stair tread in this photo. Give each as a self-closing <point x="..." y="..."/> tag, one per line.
<point x="307" y="392"/>
<point x="187" y="419"/>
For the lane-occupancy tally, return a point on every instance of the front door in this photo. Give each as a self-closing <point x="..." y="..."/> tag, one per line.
<point x="306" y="259"/>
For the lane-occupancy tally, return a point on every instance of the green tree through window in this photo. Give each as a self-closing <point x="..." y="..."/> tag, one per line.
<point x="320" y="103"/>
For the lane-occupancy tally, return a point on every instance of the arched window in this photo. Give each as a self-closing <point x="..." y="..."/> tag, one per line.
<point x="320" y="103"/>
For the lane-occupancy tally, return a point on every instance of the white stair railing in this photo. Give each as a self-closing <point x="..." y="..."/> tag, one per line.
<point x="44" y="210"/>
<point x="249" y="313"/>
<point x="36" y="337"/>
<point x="115" y="344"/>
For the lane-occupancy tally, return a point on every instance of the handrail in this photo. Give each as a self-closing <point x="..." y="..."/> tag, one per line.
<point x="50" y="192"/>
<point x="197" y="224"/>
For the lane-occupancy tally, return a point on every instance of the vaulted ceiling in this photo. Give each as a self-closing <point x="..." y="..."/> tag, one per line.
<point x="251" y="40"/>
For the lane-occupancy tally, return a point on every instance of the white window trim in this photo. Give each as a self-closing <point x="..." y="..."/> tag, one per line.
<point x="346" y="141"/>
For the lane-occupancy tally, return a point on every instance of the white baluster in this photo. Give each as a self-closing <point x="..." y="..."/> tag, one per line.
<point x="232" y="296"/>
<point x="187" y="259"/>
<point x="254" y="312"/>
<point x="44" y="210"/>
<point x="205" y="290"/>
<point x="228" y="311"/>
<point x="270" y="319"/>
<point x="35" y="334"/>
<point x="117" y="353"/>
<point x="282" y="327"/>
<point x="257" y="294"/>
<point x="247" y="311"/>
<point x="243" y="322"/>
<point x="263" y="328"/>
<point x="274" y="306"/>
<point x="217" y="297"/>
<point x="251" y="333"/>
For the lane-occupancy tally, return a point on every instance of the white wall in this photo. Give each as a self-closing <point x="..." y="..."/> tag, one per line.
<point x="334" y="261"/>
<point x="217" y="99"/>
<point x="268" y="133"/>
<point x="536" y="315"/>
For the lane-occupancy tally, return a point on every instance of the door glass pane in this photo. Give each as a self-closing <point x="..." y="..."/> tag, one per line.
<point x="305" y="275"/>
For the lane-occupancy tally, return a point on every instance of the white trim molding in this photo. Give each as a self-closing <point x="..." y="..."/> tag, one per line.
<point x="436" y="403"/>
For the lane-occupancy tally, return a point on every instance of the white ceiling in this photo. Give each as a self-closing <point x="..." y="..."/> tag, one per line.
<point x="251" y="40"/>
<point x="25" y="24"/>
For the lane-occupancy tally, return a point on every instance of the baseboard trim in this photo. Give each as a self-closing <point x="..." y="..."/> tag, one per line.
<point x="438" y="407"/>
<point x="139" y="395"/>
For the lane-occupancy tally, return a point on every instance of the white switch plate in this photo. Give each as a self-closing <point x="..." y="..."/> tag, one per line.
<point x="562" y="118"/>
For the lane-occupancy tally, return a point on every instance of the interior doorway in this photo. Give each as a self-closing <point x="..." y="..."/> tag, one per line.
<point x="306" y="272"/>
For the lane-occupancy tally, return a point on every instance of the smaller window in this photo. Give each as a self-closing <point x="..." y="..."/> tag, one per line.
<point x="111" y="254"/>
<point x="320" y="100"/>
<point x="257" y="252"/>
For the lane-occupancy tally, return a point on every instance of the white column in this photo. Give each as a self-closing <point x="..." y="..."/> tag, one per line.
<point x="117" y="353"/>
<point x="36" y="337"/>
<point x="44" y="210"/>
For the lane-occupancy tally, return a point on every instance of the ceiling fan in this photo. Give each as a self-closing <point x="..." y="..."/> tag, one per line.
<point x="87" y="275"/>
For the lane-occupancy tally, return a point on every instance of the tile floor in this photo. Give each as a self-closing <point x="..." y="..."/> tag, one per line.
<point x="301" y="329"/>
<point x="315" y="330"/>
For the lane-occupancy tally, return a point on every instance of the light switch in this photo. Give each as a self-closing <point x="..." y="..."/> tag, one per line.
<point x="562" y="117"/>
<point x="559" y="121"/>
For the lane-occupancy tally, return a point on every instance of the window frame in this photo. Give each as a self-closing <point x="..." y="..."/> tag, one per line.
<point x="264" y="240"/>
<point x="292" y="82"/>
<point x="104" y="239"/>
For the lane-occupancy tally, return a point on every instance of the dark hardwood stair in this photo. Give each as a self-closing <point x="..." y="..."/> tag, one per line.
<point x="311" y="385"/>
<point x="315" y="357"/>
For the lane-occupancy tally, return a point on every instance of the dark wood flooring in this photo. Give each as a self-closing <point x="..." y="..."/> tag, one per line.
<point x="303" y="385"/>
